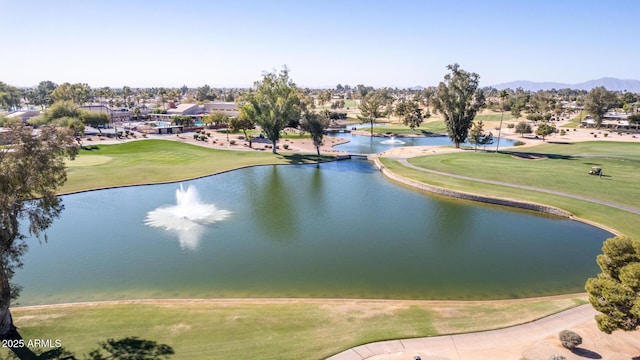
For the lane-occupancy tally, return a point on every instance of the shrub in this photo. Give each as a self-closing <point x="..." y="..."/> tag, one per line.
<point x="511" y="126"/>
<point x="606" y="134"/>
<point x="285" y="146"/>
<point x="208" y="134"/>
<point x="203" y="137"/>
<point x="570" y="339"/>
<point x="232" y="142"/>
<point x="518" y="143"/>
<point x="562" y="132"/>
<point x="196" y="136"/>
<point x="595" y="135"/>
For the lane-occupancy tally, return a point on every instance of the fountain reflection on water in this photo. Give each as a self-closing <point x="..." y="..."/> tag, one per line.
<point x="187" y="218"/>
<point x="392" y="141"/>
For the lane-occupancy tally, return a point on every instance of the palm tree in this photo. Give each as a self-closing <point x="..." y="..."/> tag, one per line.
<point x="503" y="95"/>
<point x="163" y="93"/>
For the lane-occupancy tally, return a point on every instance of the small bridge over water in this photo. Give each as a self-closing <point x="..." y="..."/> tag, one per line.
<point x="349" y="156"/>
<point x="336" y="130"/>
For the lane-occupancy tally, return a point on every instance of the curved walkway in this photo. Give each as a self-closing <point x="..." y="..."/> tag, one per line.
<point x="406" y="163"/>
<point x="507" y="343"/>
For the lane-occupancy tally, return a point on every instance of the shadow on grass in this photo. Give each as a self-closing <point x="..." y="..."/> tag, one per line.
<point x="536" y="154"/>
<point x="429" y="133"/>
<point x="129" y="348"/>
<point x="91" y="147"/>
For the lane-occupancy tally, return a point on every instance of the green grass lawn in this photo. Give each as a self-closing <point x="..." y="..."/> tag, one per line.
<point x="493" y="117"/>
<point x="272" y="329"/>
<point x="565" y="170"/>
<point x="153" y="161"/>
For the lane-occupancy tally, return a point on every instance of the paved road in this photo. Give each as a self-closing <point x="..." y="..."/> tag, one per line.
<point x="507" y="343"/>
<point x="406" y="163"/>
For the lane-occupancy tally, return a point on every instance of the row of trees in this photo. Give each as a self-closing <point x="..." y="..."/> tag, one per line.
<point x="275" y="103"/>
<point x="48" y="92"/>
<point x="542" y="105"/>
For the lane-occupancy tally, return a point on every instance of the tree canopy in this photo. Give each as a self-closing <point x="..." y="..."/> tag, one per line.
<point x="32" y="167"/>
<point x="315" y="124"/>
<point x="477" y="136"/>
<point x="273" y="104"/>
<point x="410" y="113"/>
<point x="242" y="122"/>
<point x="597" y="102"/>
<point x="67" y="114"/>
<point x="522" y="128"/>
<point x="9" y="96"/>
<point x="371" y="107"/>
<point x="545" y="130"/>
<point x="615" y="292"/>
<point x="458" y="99"/>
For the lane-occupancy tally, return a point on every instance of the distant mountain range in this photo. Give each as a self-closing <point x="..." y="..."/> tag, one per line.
<point x="611" y="84"/>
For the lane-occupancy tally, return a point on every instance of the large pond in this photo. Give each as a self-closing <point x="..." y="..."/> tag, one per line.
<point x="340" y="231"/>
<point x="359" y="144"/>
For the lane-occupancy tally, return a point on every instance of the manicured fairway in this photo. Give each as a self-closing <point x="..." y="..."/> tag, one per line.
<point x="565" y="169"/>
<point x="272" y="329"/>
<point x="153" y="161"/>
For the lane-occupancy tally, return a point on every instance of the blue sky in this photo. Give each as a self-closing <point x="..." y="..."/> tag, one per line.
<point x="383" y="43"/>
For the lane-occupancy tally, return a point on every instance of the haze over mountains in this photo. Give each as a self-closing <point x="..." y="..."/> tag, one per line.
<point x="611" y="84"/>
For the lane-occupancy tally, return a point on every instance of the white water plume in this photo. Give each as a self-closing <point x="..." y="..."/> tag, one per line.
<point x="187" y="218"/>
<point x="393" y="141"/>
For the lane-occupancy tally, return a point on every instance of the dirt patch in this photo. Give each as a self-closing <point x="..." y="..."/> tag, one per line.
<point x="362" y="310"/>
<point x="35" y="319"/>
<point x="179" y="328"/>
<point x="447" y="312"/>
<point x="595" y="345"/>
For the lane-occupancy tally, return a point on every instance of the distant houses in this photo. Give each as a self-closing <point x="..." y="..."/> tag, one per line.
<point x="611" y="120"/>
<point x="197" y="111"/>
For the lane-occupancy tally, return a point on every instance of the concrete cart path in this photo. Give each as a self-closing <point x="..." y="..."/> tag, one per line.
<point x="507" y="343"/>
